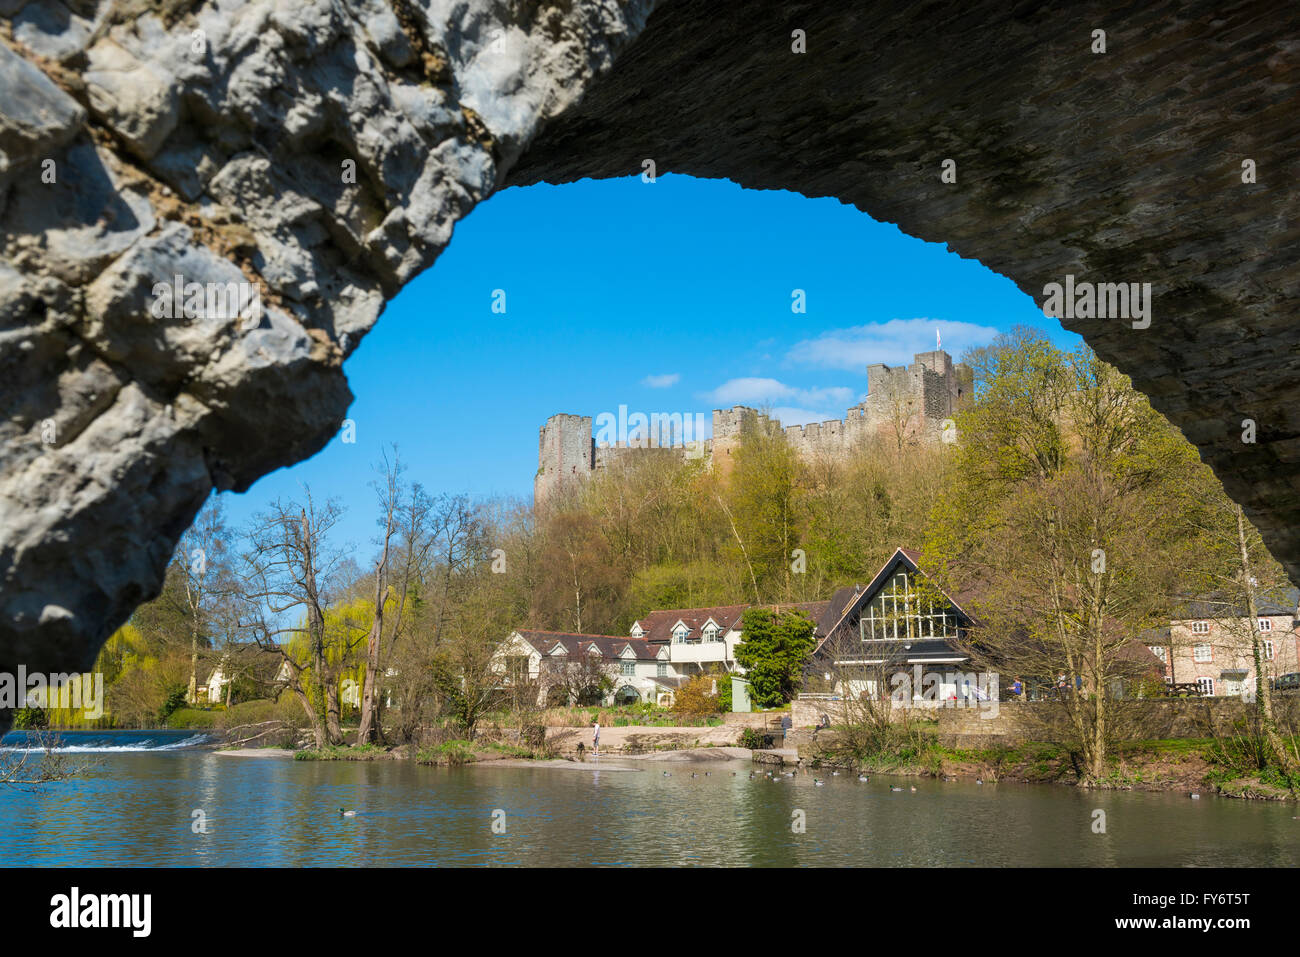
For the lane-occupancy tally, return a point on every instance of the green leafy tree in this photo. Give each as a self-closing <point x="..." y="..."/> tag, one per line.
<point x="1058" y="524"/>
<point x="773" y="653"/>
<point x="763" y="508"/>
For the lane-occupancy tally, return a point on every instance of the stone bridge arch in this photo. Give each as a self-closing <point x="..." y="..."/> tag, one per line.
<point x="324" y="149"/>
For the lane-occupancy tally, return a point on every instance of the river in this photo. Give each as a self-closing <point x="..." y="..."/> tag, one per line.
<point x="137" y="804"/>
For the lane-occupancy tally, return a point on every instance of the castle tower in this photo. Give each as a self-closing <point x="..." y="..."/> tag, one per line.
<point x="903" y="403"/>
<point x="565" y="453"/>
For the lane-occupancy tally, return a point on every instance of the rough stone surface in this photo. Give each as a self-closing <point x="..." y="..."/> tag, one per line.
<point x="209" y="138"/>
<point x="1123" y="166"/>
<point x="315" y="152"/>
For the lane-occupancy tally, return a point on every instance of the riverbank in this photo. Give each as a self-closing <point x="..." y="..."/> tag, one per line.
<point x="566" y="744"/>
<point x="1171" y="765"/>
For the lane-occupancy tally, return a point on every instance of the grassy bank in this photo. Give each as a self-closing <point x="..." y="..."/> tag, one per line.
<point x="452" y="753"/>
<point x="1193" y="765"/>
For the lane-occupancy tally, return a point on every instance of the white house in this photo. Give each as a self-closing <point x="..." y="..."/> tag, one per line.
<point x="705" y="639"/>
<point x="639" y="670"/>
<point x="265" y="668"/>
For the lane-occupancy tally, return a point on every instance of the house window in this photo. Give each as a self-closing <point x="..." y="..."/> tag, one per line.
<point x="517" y="668"/>
<point x="1200" y="628"/>
<point x="1201" y="652"/>
<point x="661" y="670"/>
<point x="680" y="633"/>
<point x="900" y="613"/>
<point x="628" y="669"/>
<point x="1159" y="652"/>
<point x="1268" y="650"/>
<point x="1207" y="686"/>
<point x="1266" y="624"/>
<point x="711" y="633"/>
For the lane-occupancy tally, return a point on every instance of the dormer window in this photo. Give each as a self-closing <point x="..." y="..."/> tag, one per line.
<point x="679" y="634"/>
<point x="711" y="632"/>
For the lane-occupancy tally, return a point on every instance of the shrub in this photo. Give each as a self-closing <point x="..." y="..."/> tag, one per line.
<point x="450" y="753"/>
<point x="173" y="702"/>
<point x="696" y="697"/>
<point x="30" y="719"/>
<point x="752" y="738"/>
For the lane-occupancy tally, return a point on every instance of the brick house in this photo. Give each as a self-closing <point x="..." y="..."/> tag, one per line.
<point x="1209" y="643"/>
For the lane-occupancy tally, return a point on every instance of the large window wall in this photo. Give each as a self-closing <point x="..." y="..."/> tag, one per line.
<point x="900" y="613"/>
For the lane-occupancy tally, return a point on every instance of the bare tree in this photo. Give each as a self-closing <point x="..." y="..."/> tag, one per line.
<point x="38" y="760"/>
<point x="202" y="554"/>
<point x="406" y="545"/>
<point x="291" y="569"/>
<point x="582" y="679"/>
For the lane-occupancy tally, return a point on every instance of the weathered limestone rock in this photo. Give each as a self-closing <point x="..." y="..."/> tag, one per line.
<point x="314" y="152"/>
<point x="324" y="149"/>
<point x="35" y="115"/>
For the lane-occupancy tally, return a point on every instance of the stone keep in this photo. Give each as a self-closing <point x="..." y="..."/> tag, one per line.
<point x="904" y="403"/>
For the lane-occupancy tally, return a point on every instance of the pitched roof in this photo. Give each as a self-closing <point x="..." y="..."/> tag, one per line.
<point x="1136" y="658"/>
<point x="1219" y="605"/>
<point x="573" y="643"/>
<point x="658" y="625"/>
<point x="852" y="606"/>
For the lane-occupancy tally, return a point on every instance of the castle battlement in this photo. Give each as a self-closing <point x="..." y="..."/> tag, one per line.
<point x="903" y="404"/>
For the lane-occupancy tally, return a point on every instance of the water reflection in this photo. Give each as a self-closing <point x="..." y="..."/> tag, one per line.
<point x="137" y="808"/>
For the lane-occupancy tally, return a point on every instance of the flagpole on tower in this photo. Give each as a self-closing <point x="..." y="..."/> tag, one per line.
<point x="938" y="346"/>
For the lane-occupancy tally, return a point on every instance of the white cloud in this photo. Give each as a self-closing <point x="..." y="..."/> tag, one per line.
<point x="756" y="391"/>
<point x="894" y="343"/>
<point x="661" y="381"/>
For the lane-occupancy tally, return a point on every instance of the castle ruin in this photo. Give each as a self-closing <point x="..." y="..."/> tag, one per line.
<point x="903" y="404"/>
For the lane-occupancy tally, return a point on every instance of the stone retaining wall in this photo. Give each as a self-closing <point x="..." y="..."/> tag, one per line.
<point x="1134" y="720"/>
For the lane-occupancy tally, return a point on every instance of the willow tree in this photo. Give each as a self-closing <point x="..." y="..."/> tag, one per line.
<point x="1058" y="527"/>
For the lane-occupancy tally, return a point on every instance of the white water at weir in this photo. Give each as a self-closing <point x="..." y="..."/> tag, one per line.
<point x="82" y="742"/>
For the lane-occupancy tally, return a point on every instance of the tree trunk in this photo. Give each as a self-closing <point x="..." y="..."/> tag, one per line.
<point x="1263" y="693"/>
<point x="317" y="729"/>
<point x="333" y="727"/>
<point x="369" y="730"/>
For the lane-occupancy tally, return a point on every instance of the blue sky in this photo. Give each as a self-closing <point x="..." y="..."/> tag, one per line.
<point x="672" y="296"/>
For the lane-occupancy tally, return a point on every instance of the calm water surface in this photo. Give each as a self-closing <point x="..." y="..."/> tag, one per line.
<point x="135" y="807"/>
